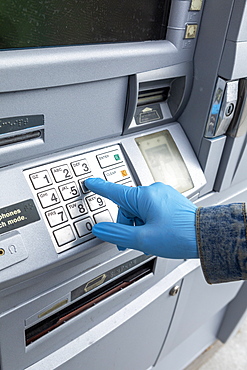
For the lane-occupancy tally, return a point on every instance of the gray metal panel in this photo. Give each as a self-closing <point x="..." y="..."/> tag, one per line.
<point x="118" y="315"/>
<point x="236" y="193"/>
<point x="73" y="115"/>
<point x="238" y="26"/>
<point x="37" y="68"/>
<point x="209" y="48"/>
<point x="179" y="14"/>
<point x="182" y="355"/>
<point x="198" y="302"/>
<point x="233" y="64"/>
<point x="230" y="158"/>
<point x="240" y="169"/>
<point x="129" y="339"/>
<point x="58" y="66"/>
<point x="179" y="18"/>
<point x="234" y="315"/>
<point x="209" y="157"/>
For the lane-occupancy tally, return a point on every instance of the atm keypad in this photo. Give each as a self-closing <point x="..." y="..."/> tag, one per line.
<point x="70" y="210"/>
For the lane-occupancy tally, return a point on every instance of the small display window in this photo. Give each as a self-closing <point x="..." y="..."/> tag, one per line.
<point x="164" y="160"/>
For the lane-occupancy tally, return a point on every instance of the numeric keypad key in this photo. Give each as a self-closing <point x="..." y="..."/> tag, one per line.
<point x="76" y="209"/>
<point x="84" y="227"/>
<point x="40" y="179"/>
<point x="95" y="202"/>
<point x="69" y="190"/>
<point x="48" y="198"/>
<point x="61" y="173"/>
<point x="80" y="167"/>
<point x="56" y="216"/>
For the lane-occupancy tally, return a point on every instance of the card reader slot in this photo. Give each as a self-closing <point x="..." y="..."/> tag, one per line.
<point x="45" y="326"/>
<point x="20" y="138"/>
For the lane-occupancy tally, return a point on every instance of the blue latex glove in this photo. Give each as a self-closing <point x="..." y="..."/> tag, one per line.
<point x="154" y="219"/>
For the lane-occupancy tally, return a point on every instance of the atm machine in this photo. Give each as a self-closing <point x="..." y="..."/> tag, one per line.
<point x="133" y="92"/>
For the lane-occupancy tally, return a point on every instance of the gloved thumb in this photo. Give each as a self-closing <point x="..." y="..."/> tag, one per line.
<point x="122" y="235"/>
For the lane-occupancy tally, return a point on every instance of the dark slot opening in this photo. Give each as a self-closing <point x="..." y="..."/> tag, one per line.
<point x="153" y="96"/>
<point x="20" y="138"/>
<point x="54" y="321"/>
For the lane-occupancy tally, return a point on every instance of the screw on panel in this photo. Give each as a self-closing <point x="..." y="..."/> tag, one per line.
<point x="174" y="290"/>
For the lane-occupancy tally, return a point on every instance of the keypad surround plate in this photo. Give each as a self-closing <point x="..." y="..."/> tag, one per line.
<point x="68" y="208"/>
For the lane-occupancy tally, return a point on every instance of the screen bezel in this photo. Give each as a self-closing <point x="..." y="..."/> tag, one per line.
<point x="37" y="68"/>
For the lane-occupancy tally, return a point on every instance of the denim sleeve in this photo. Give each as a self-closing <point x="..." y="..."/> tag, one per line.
<point x="222" y="244"/>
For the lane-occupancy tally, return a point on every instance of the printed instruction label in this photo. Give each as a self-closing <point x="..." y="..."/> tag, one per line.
<point x="18" y="215"/>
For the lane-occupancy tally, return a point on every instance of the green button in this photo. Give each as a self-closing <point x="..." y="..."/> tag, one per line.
<point x="117" y="157"/>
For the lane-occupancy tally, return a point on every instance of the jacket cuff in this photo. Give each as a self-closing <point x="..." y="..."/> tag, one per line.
<point x="221" y="240"/>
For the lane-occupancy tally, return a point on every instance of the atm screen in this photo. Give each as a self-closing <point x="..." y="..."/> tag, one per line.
<point x="32" y="23"/>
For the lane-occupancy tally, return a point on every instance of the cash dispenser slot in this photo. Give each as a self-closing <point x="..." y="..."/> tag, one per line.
<point x="96" y="296"/>
<point x="153" y="96"/>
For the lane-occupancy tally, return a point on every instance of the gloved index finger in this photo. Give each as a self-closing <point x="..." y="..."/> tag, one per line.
<point x="119" y="194"/>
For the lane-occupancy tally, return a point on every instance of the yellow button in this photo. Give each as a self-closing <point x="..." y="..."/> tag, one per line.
<point x="191" y="30"/>
<point x="196" y="5"/>
<point x="124" y="173"/>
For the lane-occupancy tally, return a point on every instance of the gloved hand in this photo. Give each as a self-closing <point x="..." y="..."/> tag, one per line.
<point x="154" y="219"/>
